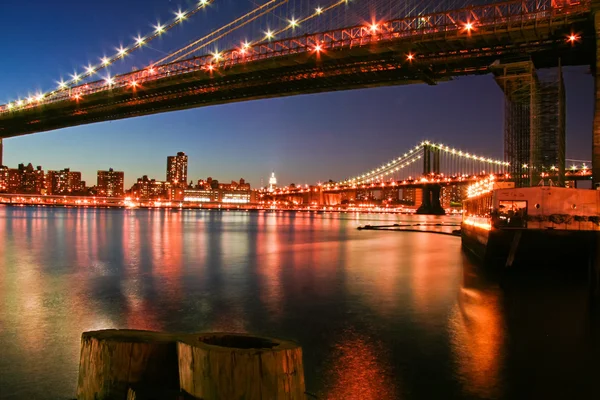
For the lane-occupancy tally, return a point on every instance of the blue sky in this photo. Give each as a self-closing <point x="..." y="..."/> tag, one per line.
<point x="304" y="138"/>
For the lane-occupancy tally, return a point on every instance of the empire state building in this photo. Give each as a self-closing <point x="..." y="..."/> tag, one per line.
<point x="272" y="182"/>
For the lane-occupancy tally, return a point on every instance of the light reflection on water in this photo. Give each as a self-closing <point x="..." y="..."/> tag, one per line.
<point x="380" y="315"/>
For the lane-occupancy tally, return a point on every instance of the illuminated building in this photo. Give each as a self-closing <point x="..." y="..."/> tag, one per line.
<point x="177" y="169"/>
<point x="201" y="195"/>
<point x="64" y="182"/>
<point x="110" y="183"/>
<point x="3" y="178"/>
<point x="24" y="179"/>
<point x="412" y="196"/>
<point x="453" y="195"/>
<point x="272" y="182"/>
<point x="211" y="191"/>
<point x="151" y="189"/>
<point x="235" y="196"/>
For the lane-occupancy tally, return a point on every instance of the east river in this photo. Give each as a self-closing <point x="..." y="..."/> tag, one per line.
<point x="380" y="315"/>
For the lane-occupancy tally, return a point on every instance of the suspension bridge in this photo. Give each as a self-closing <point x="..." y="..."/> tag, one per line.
<point x="430" y="172"/>
<point x="317" y="46"/>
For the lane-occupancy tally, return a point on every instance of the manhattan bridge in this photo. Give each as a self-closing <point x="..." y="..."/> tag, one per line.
<point x="291" y="47"/>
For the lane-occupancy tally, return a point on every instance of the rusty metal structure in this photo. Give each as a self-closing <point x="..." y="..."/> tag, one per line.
<point x="534" y="127"/>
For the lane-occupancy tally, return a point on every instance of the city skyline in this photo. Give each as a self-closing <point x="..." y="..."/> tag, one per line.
<point x="304" y="138"/>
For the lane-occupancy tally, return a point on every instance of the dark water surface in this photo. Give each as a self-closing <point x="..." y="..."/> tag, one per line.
<point x="380" y="315"/>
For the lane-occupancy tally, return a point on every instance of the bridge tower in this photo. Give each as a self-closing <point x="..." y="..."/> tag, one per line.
<point x="534" y="125"/>
<point x="431" y="191"/>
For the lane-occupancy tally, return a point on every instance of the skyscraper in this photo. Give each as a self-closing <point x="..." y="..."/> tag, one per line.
<point x="110" y="183"/>
<point x="272" y="182"/>
<point x="177" y="169"/>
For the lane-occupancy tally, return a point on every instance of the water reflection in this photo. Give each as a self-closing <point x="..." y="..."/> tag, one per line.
<point x="380" y="315"/>
<point x="478" y="335"/>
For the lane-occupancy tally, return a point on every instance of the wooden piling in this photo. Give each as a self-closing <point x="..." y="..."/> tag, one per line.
<point x="112" y="361"/>
<point x="232" y="366"/>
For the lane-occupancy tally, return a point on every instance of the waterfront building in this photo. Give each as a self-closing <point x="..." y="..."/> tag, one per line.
<point x="150" y="189"/>
<point x="23" y="179"/>
<point x="235" y="196"/>
<point x="412" y="196"/>
<point x="110" y="183"/>
<point x="201" y="195"/>
<point x="177" y="169"/>
<point x="3" y="178"/>
<point x="64" y="182"/>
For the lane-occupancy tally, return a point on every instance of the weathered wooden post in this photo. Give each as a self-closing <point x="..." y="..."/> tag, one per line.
<point x="112" y="361"/>
<point x="218" y="366"/>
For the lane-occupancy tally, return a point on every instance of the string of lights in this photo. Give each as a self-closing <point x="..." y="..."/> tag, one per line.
<point x="122" y="52"/>
<point x="393" y="166"/>
<point x="222" y="31"/>
<point x="270" y="35"/>
<point x="247" y="52"/>
<point x="159" y="29"/>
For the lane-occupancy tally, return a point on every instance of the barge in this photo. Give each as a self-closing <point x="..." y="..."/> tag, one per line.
<point x="535" y="226"/>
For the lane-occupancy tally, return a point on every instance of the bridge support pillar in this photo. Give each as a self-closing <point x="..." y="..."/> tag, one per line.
<point x="596" y="133"/>
<point x="431" y="201"/>
<point x="534" y="121"/>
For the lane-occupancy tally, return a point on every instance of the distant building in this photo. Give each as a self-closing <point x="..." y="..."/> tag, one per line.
<point x="150" y="189"/>
<point x="64" y="182"/>
<point x="453" y="195"/>
<point x="235" y="196"/>
<point x="177" y="167"/>
<point x="110" y="183"/>
<point x="3" y="178"/>
<point x="272" y="182"/>
<point x="201" y="195"/>
<point x="412" y="196"/>
<point x="24" y="179"/>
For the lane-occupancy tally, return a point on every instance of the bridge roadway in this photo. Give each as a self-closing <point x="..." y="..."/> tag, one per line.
<point x="570" y="175"/>
<point x="356" y="57"/>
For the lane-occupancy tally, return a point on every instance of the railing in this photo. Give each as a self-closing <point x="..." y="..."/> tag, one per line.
<point x="466" y="21"/>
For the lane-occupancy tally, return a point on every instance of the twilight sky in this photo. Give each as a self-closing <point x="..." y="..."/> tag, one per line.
<point x="304" y="138"/>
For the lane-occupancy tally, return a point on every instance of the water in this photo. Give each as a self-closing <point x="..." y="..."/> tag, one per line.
<point x="380" y="315"/>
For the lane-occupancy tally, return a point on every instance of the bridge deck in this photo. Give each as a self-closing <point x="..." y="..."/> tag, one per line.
<point x="349" y="58"/>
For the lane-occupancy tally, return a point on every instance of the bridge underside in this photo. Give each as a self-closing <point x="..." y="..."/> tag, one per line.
<point x="439" y="58"/>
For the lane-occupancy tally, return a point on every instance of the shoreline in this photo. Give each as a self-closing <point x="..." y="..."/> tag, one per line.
<point x="222" y="207"/>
